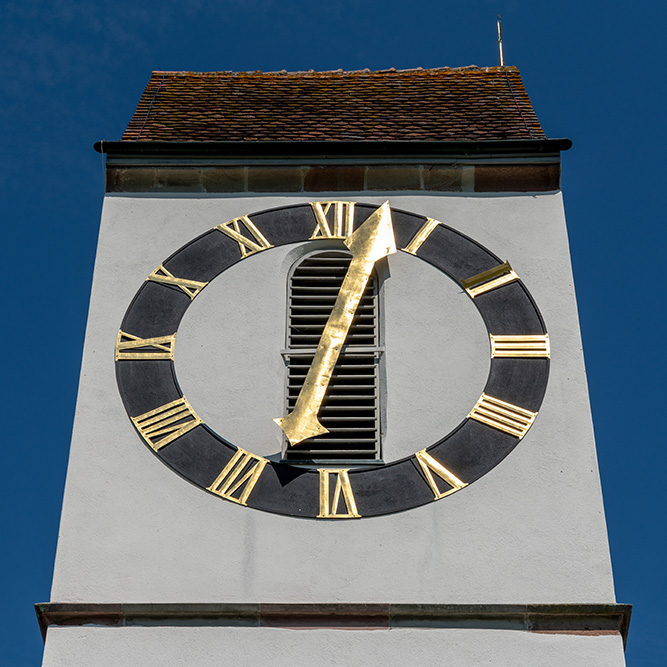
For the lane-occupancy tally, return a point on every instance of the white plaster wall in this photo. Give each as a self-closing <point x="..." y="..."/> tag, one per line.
<point x="532" y="530"/>
<point x="398" y="647"/>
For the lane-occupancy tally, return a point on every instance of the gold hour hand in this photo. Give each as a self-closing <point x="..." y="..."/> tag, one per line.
<point x="373" y="240"/>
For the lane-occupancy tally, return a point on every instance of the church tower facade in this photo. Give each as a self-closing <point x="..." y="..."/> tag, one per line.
<point x="333" y="405"/>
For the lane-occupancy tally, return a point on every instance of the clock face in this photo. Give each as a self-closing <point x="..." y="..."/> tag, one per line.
<point x="332" y="485"/>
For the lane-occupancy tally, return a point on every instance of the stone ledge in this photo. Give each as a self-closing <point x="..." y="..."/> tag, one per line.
<point x="539" y="177"/>
<point x="594" y="619"/>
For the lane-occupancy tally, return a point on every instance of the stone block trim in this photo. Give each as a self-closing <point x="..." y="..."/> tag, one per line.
<point x="334" y="179"/>
<point x="223" y="179"/>
<point x="540" y="177"/>
<point x="516" y="178"/>
<point x="399" y="177"/>
<point x="435" y="177"/>
<point x="274" y="179"/>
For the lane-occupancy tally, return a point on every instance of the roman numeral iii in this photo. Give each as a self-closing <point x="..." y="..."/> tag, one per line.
<point x="520" y="346"/>
<point x="329" y="507"/>
<point x="429" y="466"/>
<point x="236" y="228"/>
<point x="486" y="281"/>
<point x="165" y="424"/>
<point x="342" y="219"/>
<point x="239" y="477"/>
<point x="502" y="415"/>
<point x="133" y="347"/>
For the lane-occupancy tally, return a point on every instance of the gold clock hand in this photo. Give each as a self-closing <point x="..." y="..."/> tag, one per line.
<point x="373" y="240"/>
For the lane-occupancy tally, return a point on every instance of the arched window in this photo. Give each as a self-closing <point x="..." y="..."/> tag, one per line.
<point x="351" y="409"/>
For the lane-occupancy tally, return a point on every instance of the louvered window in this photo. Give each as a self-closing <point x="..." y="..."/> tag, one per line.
<point x="350" y="410"/>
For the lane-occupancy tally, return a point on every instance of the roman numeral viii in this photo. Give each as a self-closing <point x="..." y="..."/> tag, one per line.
<point x="239" y="477"/>
<point x="163" y="425"/>
<point x="329" y="508"/>
<point x="502" y="415"/>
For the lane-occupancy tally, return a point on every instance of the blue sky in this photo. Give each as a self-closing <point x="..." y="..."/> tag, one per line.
<point x="72" y="74"/>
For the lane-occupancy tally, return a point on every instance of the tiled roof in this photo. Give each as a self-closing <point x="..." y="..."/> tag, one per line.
<point x="467" y="103"/>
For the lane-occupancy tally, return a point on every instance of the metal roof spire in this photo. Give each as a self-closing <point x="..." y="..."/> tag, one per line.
<point x="500" y="43"/>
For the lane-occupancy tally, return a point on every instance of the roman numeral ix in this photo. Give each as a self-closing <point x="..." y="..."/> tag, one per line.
<point x="133" y="347"/>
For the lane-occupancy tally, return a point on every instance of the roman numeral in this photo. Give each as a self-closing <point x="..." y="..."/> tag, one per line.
<point x="235" y="230"/>
<point x="421" y="236"/>
<point x="487" y="280"/>
<point x="163" y="425"/>
<point x="328" y="509"/>
<point x="520" y="346"/>
<point x="502" y="416"/>
<point x="342" y="217"/>
<point x="239" y="477"/>
<point x="190" y="287"/>
<point x="429" y="466"/>
<point x="133" y="347"/>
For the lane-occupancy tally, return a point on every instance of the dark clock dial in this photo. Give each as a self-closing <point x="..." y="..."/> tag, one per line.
<point x="170" y="427"/>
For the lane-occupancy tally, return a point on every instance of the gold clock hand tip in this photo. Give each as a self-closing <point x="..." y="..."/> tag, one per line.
<point x="375" y="238"/>
<point x="297" y="428"/>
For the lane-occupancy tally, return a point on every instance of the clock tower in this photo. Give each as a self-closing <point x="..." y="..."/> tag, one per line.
<point x="333" y="404"/>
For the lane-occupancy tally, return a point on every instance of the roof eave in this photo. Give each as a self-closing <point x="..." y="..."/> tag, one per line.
<point x="333" y="149"/>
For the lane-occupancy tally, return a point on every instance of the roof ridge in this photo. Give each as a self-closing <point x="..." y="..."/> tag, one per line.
<point x="391" y="70"/>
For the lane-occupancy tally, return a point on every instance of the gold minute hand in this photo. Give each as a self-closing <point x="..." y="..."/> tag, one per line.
<point x="373" y="240"/>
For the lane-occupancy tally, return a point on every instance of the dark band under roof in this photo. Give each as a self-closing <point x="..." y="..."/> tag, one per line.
<point x="443" y="104"/>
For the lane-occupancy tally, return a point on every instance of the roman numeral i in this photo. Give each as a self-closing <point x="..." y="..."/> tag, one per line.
<point x="418" y="239"/>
